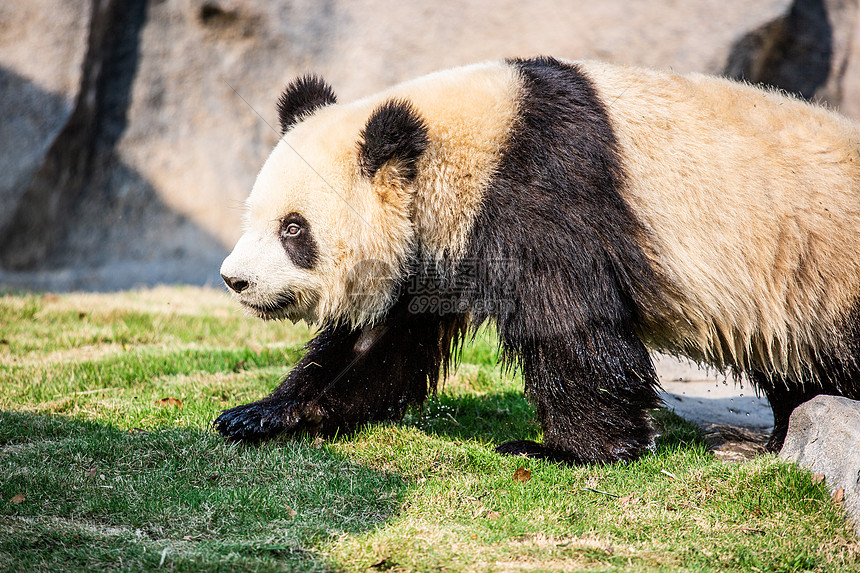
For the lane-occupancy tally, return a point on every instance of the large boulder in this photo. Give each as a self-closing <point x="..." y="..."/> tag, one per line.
<point x="811" y="50"/>
<point x="137" y="126"/>
<point x="824" y="436"/>
<point x="42" y="47"/>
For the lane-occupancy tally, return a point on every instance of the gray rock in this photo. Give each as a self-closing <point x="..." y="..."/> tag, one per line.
<point x="807" y="51"/>
<point x="824" y="436"/>
<point x="132" y="130"/>
<point x="42" y="47"/>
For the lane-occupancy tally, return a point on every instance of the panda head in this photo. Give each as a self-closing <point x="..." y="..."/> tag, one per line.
<point x="328" y="228"/>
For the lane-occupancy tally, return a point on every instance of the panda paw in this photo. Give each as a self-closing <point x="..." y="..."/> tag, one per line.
<point x="266" y="419"/>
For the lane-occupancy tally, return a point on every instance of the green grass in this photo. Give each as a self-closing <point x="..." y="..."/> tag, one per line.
<point x="105" y="410"/>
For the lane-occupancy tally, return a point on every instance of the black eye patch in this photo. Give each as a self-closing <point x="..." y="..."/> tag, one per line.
<point x="298" y="242"/>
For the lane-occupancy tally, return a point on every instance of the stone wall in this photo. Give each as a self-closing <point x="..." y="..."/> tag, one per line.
<point x="132" y="129"/>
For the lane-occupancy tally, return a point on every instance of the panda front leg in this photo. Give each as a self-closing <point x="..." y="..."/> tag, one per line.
<point x="592" y="394"/>
<point x="350" y="377"/>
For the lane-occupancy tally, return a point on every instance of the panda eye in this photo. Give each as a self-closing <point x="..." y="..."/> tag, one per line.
<point x="292" y="230"/>
<point x="297" y="238"/>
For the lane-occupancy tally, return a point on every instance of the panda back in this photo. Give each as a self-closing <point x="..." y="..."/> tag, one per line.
<point x="752" y="200"/>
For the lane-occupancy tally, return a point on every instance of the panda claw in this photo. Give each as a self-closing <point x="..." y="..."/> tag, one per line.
<point x="261" y="420"/>
<point x="251" y="422"/>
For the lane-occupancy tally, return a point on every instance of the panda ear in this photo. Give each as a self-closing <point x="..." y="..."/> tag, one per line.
<point x="394" y="137"/>
<point x="302" y="97"/>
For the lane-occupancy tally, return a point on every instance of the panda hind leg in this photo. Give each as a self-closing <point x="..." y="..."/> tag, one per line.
<point x="593" y="407"/>
<point x="784" y="395"/>
<point x="833" y="376"/>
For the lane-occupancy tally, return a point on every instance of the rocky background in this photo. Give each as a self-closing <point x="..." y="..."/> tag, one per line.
<point x="131" y="130"/>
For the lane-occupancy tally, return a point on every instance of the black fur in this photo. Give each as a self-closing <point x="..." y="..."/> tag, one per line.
<point x="394" y="132"/>
<point x="554" y="212"/>
<point x="301" y="98"/>
<point x="350" y="377"/>
<point x="301" y="248"/>
<point x="784" y="395"/>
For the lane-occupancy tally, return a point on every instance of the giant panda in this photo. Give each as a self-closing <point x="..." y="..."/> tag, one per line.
<point x="589" y="211"/>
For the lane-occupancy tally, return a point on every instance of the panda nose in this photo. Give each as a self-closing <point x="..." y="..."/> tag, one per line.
<point x="235" y="283"/>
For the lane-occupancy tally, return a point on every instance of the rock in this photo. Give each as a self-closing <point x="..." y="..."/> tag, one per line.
<point x="824" y="437"/>
<point x="147" y="186"/>
<point x="71" y="163"/>
<point x="807" y="51"/>
<point x="37" y="94"/>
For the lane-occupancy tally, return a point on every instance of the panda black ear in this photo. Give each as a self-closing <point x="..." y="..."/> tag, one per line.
<point x="394" y="135"/>
<point x="301" y="98"/>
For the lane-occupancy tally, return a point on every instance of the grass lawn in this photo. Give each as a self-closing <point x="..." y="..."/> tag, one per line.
<point x="108" y="462"/>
